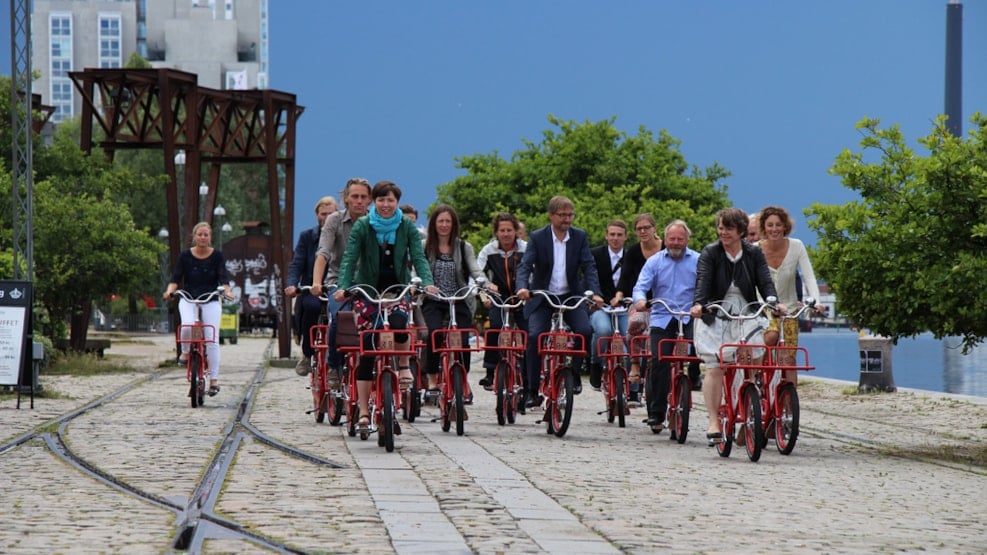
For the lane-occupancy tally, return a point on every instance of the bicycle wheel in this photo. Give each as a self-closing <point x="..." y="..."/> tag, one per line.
<point x="683" y="398"/>
<point x="787" y="424"/>
<point x="608" y="398"/>
<point x="753" y="429"/>
<point x="196" y="385"/>
<point x="408" y="410"/>
<point x="319" y="390"/>
<point x="336" y="407"/>
<point x="725" y="445"/>
<point x="386" y="431"/>
<point x="562" y="407"/>
<point x="459" y="393"/>
<point x="503" y="397"/>
<point x="620" y="394"/>
<point x="515" y="398"/>
<point x="445" y="408"/>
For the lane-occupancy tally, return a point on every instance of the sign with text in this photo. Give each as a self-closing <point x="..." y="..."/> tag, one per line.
<point x="871" y="362"/>
<point x="15" y="333"/>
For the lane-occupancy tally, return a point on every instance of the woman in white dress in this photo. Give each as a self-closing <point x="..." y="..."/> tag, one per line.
<point x="787" y="260"/>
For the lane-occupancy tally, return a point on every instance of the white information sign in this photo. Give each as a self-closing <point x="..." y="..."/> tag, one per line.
<point x="12" y="324"/>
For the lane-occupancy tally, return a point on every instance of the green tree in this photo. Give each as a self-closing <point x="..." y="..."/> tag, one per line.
<point x="607" y="173"/>
<point x="87" y="248"/>
<point x="86" y="245"/>
<point x="910" y="255"/>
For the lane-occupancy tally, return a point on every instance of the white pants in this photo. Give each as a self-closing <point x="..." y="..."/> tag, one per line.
<point x="211" y="313"/>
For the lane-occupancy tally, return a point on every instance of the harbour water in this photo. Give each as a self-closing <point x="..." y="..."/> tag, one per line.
<point x="923" y="362"/>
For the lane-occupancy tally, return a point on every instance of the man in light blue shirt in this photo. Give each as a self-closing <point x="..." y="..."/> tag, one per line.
<point x="669" y="275"/>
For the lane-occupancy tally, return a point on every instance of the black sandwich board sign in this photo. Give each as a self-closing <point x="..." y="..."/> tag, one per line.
<point x="16" y="334"/>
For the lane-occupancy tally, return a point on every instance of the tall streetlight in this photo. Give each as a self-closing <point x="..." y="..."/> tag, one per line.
<point x="203" y="193"/>
<point x="163" y="235"/>
<point x="180" y="186"/>
<point x="225" y="229"/>
<point x="218" y="213"/>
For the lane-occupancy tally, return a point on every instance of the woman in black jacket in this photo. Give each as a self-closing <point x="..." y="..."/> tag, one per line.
<point x="731" y="272"/>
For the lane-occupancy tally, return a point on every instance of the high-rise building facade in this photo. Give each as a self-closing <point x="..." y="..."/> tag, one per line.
<point x="224" y="42"/>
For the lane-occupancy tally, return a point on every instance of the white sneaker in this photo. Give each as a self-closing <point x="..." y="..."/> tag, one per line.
<point x="304" y="366"/>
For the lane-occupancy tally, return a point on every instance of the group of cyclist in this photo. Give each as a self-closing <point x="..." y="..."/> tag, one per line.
<point x="374" y="241"/>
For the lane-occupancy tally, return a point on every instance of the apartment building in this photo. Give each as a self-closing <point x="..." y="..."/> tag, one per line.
<point x="224" y="42"/>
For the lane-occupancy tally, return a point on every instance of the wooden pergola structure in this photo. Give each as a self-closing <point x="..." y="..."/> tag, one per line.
<point x="166" y="109"/>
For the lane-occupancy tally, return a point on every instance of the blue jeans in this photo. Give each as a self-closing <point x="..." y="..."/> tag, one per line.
<point x="334" y="358"/>
<point x="311" y="309"/>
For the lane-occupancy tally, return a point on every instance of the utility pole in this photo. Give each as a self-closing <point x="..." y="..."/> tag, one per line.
<point x="22" y="181"/>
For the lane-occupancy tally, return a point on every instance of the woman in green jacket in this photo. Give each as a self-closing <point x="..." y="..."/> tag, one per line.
<point x="377" y="252"/>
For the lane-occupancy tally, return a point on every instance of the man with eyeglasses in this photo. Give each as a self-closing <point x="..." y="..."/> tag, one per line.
<point x="609" y="260"/>
<point x="557" y="259"/>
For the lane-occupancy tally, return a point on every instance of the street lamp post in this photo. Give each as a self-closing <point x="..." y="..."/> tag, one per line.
<point x="163" y="235"/>
<point x="218" y="213"/>
<point x="180" y="186"/>
<point x="203" y="193"/>
<point x="225" y="229"/>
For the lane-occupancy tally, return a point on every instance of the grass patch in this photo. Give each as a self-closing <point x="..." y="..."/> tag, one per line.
<point x="77" y="364"/>
<point x="971" y="454"/>
<point x="47" y="392"/>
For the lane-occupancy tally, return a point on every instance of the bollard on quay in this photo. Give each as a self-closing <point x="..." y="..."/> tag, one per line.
<point x="875" y="364"/>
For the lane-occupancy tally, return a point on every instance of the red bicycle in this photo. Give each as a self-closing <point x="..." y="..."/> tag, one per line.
<point x="510" y="342"/>
<point x="614" y="350"/>
<point x="322" y="398"/>
<point x="779" y="396"/>
<point x="744" y="406"/>
<point x="384" y="401"/>
<point x="556" y="348"/>
<point x="411" y="406"/>
<point x="198" y="334"/>
<point x="680" y="389"/>
<point x="452" y="344"/>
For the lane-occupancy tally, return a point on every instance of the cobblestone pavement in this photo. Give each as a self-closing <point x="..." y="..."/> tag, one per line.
<point x="869" y="473"/>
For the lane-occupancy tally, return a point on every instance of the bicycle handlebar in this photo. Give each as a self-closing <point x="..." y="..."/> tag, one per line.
<point x="564" y="306"/>
<point x="379" y="298"/>
<point x="769" y="303"/>
<point x="495" y="300"/>
<point x="464" y="292"/>
<point x="807" y="303"/>
<point x="322" y="297"/>
<point x="203" y="298"/>
<point x="623" y="307"/>
<point x="673" y="312"/>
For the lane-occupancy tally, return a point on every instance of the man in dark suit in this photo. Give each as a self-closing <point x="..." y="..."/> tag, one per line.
<point x="609" y="259"/>
<point x="307" y="307"/>
<point x="557" y="259"/>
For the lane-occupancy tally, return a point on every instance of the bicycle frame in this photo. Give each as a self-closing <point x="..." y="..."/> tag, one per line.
<point x="680" y="385"/>
<point x="448" y="343"/>
<point x="414" y="398"/>
<point x="319" y="374"/>
<point x="555" y="348"/>
<point x="614" y="350"/>
<point x="384" y="402"/>
<point x="511" y="344"/>
<point x="745" y="409"/>
<point x="199" y="335"/>
<point x="779" y="398"/>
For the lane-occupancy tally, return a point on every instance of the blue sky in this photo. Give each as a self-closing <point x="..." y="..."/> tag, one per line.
<point x="770" y="90"/>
